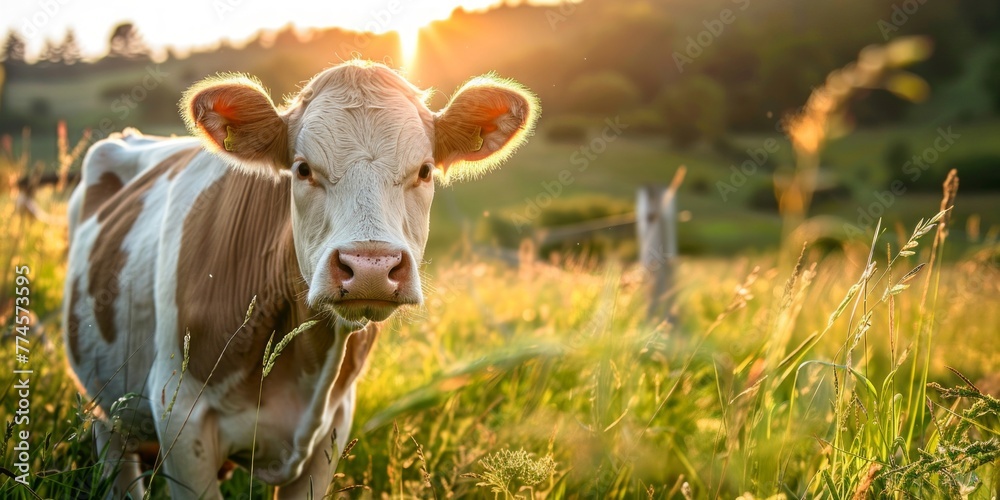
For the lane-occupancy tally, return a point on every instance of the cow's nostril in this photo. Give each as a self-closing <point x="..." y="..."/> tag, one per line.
<point x="341" y="272"/>
<point x="344" y="268"/>
<point x="400" y="273"/>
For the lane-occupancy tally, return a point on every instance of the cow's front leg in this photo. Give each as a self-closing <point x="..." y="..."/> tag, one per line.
<point x="111" y="446"/>
<point x="318" y="472"/>
<point x="189" y="437"/>
<point x="190" y="456"/>
<point x="315" y="478"/>
<point x="316" y="475"/>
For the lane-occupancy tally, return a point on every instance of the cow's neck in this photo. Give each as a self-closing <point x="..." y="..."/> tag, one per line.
<point x="238" y="248"/>
<point x="310" y="348"/>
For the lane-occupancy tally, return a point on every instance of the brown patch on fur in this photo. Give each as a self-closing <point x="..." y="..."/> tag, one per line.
<point x="338" y="417"/>
<point x="237" y="244"/>
<point x="107" y="185"/>
<point x="106" y="264"/>
<point x="358" y="347"/>
<point x="107" y="258"/>
<point x="138" y="186"/>
<point x="73" y="323"/>
<point x="226" y="471"/>
<point x="149" y="453"/>
<point x="117" y="215"/>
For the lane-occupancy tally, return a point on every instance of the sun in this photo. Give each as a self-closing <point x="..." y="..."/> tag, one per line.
<point x="409" y="37"/>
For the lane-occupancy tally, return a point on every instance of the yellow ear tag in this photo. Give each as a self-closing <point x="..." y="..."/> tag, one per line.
<point x="228" y="142"/>
<point x="477" y="139"/>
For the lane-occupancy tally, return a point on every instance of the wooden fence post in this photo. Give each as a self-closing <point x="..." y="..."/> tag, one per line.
<point x="656" y="226"/>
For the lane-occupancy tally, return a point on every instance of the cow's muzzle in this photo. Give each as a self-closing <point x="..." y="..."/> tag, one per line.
<point x="371" y="279"/>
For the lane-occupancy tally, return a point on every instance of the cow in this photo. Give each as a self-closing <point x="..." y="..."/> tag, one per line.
<point x="190" y="257"/>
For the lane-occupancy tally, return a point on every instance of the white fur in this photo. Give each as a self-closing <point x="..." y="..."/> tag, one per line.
<point x="366" y="136"/>
<point x="365" y="147"/>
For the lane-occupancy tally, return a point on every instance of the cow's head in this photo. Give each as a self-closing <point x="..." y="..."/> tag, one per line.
<point x="362" y="150"/>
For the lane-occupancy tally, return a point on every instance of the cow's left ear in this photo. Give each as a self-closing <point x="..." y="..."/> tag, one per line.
<point x="234" y="116"/>
<point x="483" y="124"/>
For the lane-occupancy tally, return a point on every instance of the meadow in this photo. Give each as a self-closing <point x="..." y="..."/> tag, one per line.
<point x="785" y="369"/>
<point x="546" y="379"/>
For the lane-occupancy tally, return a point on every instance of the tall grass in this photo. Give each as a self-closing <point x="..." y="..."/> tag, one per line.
<point x="801" y="377"/>
<point x="558" y="361"/>
<point x="746" y="394"/>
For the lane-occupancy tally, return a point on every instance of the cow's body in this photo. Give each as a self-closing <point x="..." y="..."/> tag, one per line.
<point x="170" y="244"/>
<point x="116" y="306"/>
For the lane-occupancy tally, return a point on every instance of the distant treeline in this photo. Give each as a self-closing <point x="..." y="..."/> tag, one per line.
<point x="692" y="69"/>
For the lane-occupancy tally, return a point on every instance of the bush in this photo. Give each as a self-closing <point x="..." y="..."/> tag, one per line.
<point x="643" y="122"/>
<point x="975" y="173"/>
<point x="567" y="129"/>
<point x="160" y="106"/>
<point x="862" y="175"/>
<point x="566" y="211"/>
<point x="41" y="106"/>
<point x="693" y="109"/>
<point x="991" y="80"/>
<point x="503" y="230"/>
<point x="699" y="185"/>
<point x="510" y="227"/>
<point x="833" y="195"/>
<point x="979" y="173"/>
<point x="897" y="153"/>
<point x="603" y="93"/>
<point x="737" y="153"/>
<point x="762" y="197"/>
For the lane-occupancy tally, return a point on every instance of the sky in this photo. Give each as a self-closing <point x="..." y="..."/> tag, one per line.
<point x="187" y="24"/>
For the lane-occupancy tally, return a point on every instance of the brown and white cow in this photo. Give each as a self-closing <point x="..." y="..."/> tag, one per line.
<point x="319" y="209"/>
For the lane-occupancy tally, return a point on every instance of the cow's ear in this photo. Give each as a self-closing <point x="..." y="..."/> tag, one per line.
<point x="233" y="115"/>
<point x="483" y="124"/>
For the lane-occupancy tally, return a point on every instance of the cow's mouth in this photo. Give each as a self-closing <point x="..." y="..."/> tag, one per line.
<point x="360" y="310"/>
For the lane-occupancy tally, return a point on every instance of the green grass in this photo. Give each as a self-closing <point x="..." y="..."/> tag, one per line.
<point x="776" y="378"/>
<point x="562" y="363"/>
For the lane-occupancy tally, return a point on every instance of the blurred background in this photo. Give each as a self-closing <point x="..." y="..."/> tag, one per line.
<point x="556" y="356"/>
<point x="695" y="83"/>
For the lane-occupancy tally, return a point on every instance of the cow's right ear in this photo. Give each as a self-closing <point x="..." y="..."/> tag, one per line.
<point x="233" y="115"/>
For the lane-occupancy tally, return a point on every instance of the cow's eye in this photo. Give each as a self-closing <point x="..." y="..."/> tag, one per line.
<point x="302" y="170"/>
<point x="425" y="171"/>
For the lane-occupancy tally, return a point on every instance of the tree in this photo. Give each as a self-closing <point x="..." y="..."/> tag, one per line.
<point x="602" y="93"/>
<point x="127" y="42"/>
<point x="693" y="109"/>
<point x="51" y="52"/>
<point x="991" y="81"/>
<point x="286" y="37"/>
<point x="13" y="48"/>
<point x="71" y="53"/>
